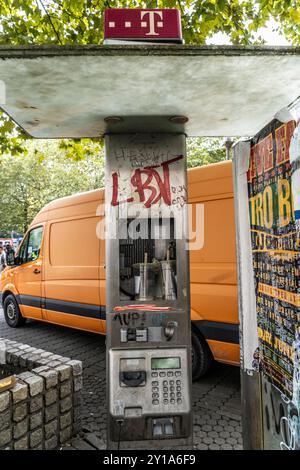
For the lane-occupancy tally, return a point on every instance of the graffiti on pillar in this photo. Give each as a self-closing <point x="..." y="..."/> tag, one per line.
<point x="276" y="253"/>
<point x="149" y="185"/>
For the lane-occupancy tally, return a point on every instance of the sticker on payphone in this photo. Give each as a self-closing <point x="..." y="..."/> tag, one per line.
<point x="119" y="407"/>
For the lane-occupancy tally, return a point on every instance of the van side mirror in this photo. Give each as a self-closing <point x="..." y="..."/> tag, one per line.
<point x="11" y="260"/>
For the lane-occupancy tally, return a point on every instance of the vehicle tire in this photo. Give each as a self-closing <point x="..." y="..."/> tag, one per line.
<point x="12" y="312"/>
<point x="202" y="357"/>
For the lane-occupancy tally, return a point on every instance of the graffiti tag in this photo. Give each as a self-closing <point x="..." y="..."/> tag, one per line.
<point x="150" y="186"/>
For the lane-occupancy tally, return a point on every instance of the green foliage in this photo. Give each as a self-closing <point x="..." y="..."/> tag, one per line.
<point x="11" y="136"/>
<point x="286" y="13"/>
<point x="203" y="151"/>
<point x="44" y="173"/>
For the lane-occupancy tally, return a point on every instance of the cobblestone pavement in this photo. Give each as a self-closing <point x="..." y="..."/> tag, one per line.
<point x="216" y="398"/>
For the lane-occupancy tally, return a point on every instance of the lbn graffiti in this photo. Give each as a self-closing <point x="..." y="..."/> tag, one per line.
<point x="158" y="191"/>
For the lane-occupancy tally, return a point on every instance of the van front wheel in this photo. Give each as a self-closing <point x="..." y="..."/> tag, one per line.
<point x="202" y="357"/>
<point x="12" y="312"/>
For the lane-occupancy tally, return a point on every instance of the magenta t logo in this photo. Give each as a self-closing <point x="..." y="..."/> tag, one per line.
<point x="151" y="21"/>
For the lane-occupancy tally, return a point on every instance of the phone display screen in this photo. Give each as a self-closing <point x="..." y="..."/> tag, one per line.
<point x="165" y="363"/>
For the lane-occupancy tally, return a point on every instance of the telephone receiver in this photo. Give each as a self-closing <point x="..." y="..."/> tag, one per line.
<point x="133" y="378"/>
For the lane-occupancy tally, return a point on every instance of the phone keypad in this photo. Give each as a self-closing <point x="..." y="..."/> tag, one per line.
<point x="165" y="389"/>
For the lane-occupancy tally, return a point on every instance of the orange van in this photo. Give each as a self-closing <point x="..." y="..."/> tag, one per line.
<point x="58" y="274"/>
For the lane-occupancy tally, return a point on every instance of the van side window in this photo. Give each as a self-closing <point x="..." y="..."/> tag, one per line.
<point x="31" y="246"/>
<point x="23" y="250"/>
<point x="34" y="244"/>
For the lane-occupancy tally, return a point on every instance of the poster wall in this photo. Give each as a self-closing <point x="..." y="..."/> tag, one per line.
<point x="275" y="253"/>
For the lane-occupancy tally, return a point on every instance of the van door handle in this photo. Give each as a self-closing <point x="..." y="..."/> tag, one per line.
<point x="36" y="271"/>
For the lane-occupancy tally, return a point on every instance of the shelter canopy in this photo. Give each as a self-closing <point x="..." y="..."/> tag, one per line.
<point x="68" y="91"/>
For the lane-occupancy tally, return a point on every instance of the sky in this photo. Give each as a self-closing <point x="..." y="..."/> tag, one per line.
<point x="272" y="37"/>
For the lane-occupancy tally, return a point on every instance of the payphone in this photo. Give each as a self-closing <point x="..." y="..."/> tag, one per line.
<point x="147" y="287"/>
<point x="148" y="318"/>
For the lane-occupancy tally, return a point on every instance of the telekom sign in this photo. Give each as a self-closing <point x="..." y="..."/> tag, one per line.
<point x="137" y="24"/>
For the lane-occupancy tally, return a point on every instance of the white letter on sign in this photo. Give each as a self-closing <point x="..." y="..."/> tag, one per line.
<point x="151" y="14"/>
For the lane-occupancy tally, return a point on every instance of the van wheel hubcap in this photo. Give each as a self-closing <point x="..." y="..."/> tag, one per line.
<point x="11" y="311"/>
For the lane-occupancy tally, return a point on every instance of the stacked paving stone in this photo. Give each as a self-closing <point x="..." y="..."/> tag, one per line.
<point x="42" y="411"/>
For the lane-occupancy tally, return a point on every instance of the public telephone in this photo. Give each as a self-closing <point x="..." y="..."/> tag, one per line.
<point x="148" y="320"/>
<point x="152" y="385"/>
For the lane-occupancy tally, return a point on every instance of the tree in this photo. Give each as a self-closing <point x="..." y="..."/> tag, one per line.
<point x="203" y="151"/>
<point x="81" y="22"/>
<point x="44" y="173"/>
